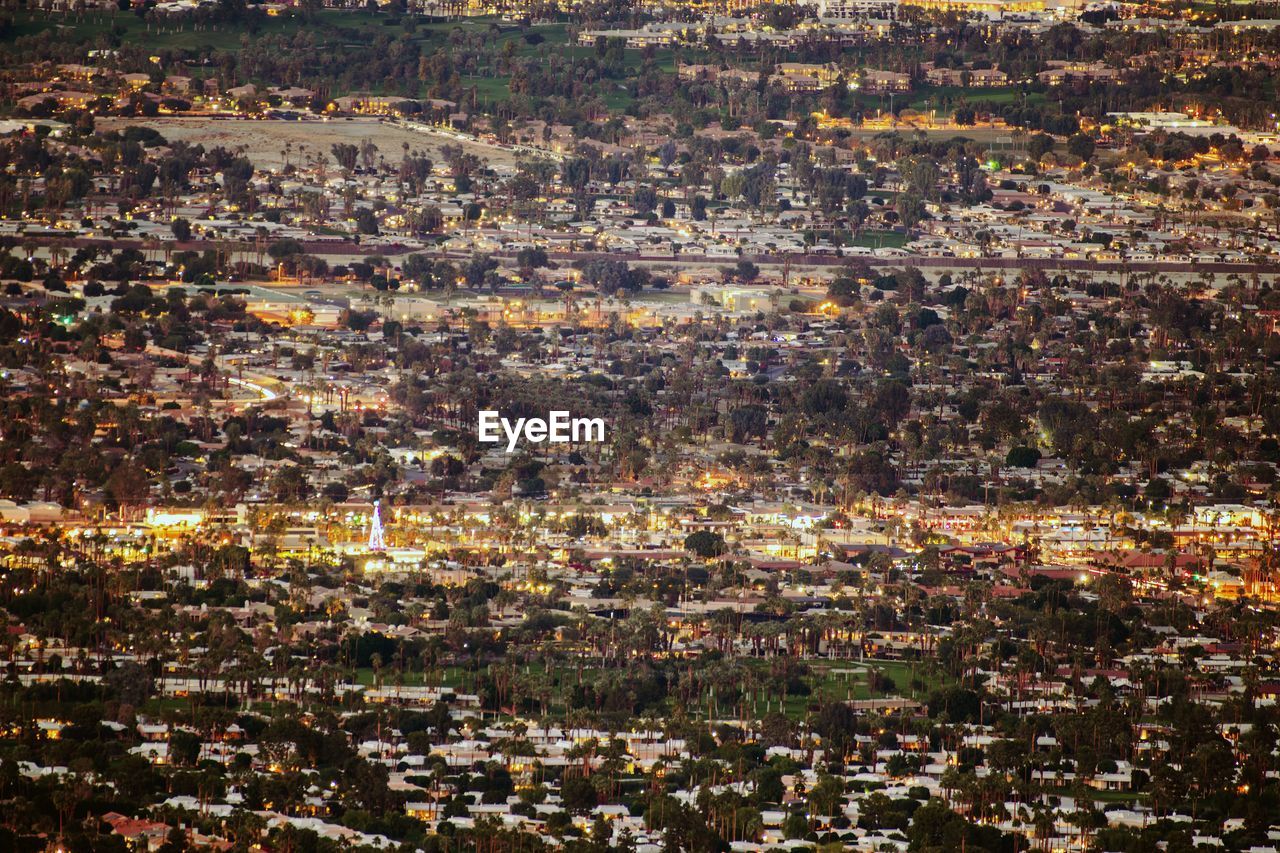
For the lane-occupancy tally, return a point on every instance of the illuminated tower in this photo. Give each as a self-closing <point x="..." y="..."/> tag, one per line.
<point x="376" y="540"/>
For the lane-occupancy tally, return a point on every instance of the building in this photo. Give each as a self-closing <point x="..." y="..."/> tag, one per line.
<point x="877" y="82"/>
<point x="989" y="78"/>
<point x="1060" y="72"/>
<point x="858" y="10"/>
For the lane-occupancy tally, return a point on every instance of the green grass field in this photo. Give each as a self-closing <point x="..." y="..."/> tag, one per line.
<point x="829" y="680"/>
<point x="128" y="28"/>
<point x="331" y="26"/>
<point x="847" y="680"/>
<point x="938" y="97"/>
<point x="555" y="37"/>
<point x="488" y="89"/>
<point x="617" y="99"/>
<point x="338" y="29"/>
<point x="879" y="239"/>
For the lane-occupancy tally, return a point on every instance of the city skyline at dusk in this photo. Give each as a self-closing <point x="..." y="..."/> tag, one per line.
<point x="651" y="426"/>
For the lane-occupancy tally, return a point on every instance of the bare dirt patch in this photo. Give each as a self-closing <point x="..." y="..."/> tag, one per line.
<point x="265" y="141"/>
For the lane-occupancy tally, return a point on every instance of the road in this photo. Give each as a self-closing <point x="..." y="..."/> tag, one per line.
<point x="1062" y="264"/>
<point x="255" y="384"/>
<point x="795" y="261"/>
<point x="265" y="393"/>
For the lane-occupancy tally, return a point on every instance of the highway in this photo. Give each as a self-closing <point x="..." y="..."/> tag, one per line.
<point x="795" y="261"/>
<point x="800" y="261"/>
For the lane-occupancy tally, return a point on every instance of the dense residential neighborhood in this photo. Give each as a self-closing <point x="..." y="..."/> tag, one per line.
<point x="435" y="426"/>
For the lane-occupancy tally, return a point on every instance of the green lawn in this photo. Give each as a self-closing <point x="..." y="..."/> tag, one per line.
<point x="489" y="89"/>
<point x="869" y="239"/>
<point x="828" y="681"/>
<point x="332" y="26"/>
<point x="130" y="29"/>
<point x="879" y="239"/>
<point x="665" y="59"/>
<point x="618" y="99"/>
<point x="904" y="672"/>
<point x="847" y="680"/>
<point x="159" y="705"/>
<point x="937" y="97"/>
<point x="555" y="37"/>
<point x="338" y="29"/>
<point x="832" y="676"/>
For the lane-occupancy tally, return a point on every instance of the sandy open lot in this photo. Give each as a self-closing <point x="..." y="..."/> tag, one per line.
<point x="265" y="140"/>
